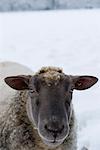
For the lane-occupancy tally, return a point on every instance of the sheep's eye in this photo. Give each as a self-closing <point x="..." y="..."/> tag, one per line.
<point x="32" y="91"/>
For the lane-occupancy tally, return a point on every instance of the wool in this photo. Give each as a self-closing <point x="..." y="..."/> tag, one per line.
<point x="50" y="75"/>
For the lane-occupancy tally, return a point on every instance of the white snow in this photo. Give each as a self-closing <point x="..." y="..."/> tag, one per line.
<point x="69" y="39"/>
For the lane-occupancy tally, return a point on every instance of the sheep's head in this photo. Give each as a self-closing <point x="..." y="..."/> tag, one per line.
<point x="49" y="105"/>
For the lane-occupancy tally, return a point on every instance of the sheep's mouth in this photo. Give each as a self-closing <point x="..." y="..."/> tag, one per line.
<point x="53" y="139"/>
<point x="53" y="143"/>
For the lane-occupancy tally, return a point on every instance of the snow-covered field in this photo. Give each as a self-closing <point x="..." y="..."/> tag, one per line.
<point x="69" y="39"/>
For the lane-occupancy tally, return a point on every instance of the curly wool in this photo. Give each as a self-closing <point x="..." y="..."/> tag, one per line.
<point x="50" y="75"/>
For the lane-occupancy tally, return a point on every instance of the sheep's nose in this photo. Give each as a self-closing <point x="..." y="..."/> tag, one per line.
<point x="54" y="126"/>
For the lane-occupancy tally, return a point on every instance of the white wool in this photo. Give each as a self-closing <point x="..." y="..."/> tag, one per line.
<point x="9" y="69"/>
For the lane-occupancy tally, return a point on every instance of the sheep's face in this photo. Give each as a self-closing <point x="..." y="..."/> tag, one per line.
<point x="49" y="106"/>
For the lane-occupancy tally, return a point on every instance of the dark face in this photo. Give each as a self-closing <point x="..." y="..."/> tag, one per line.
<point x="50" y="109"/>
<point x="49" y="104"/>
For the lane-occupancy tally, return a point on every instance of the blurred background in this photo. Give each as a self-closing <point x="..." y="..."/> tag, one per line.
<point x="19" y="5"/>
<point x="63" y="33"/>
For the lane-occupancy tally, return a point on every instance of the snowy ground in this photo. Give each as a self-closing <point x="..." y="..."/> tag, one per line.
<point x="69" y="39"/>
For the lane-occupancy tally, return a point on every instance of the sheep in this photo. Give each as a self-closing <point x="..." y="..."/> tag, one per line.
<point x="41" y="115"/>
<point x="8" y="68"/>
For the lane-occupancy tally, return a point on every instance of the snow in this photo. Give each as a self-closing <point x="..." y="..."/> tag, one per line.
<point x="68" y="39"/>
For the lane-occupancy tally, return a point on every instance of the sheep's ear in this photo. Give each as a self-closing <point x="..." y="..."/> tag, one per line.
<point x="83" y="82"/>
<point x="20" y="82"/>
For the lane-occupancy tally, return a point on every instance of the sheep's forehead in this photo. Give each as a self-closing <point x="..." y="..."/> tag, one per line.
<point x="50" y="69"/>
<point x="51" y="75"/>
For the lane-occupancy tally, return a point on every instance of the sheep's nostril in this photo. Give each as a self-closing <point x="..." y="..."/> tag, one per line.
<point x="46" y="127"/>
